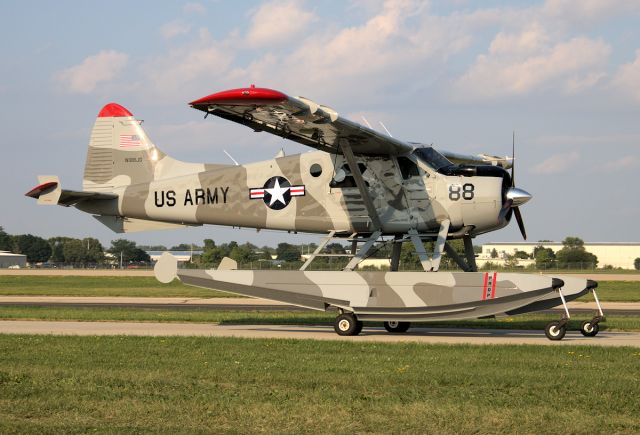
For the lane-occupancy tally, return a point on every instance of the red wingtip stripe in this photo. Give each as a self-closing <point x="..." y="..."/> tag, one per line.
<point x="113" y="110"/>
<point x="242" y="96"/>
<point x="37" y="191"/>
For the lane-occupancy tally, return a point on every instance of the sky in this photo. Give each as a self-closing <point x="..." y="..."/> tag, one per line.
<point x="564" y="75"/>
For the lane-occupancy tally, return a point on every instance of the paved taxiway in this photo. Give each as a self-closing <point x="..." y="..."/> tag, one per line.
<point x="420" y="335"/>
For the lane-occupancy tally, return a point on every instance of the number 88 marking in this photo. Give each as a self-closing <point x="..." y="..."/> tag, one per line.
<point x="467" y="191"/>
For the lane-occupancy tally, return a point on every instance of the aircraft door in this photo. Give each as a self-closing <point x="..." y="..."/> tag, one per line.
<point x="419" y="191"/>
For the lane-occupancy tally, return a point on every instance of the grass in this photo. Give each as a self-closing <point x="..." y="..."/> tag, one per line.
<point x="608" y="291"/>
<point x="225" y="385"/>
<point x="525" y="321"/>
<point x="616" y="291"/>
<point x="100" y="286"/>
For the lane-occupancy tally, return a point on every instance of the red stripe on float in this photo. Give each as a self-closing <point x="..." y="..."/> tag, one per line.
<point x="493" y="285"/>
<point x="484" y="287"/>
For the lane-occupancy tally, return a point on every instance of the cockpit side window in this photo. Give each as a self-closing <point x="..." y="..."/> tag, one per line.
<point x="432" y="158"/>
<point x="408" y="168"/>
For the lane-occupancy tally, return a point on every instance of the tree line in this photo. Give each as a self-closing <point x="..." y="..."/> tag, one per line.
<point x="89" y="251"/>
<point x="572" y="255"/>
<point x="71" y="251"/>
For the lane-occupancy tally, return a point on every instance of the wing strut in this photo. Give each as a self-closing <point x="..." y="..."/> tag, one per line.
<point x="362" y="253"/>
<point x="357" y="176"/>
<point x="431" y="264"/>
<point x="470" y="264"/>
<point x="318" y="250"/>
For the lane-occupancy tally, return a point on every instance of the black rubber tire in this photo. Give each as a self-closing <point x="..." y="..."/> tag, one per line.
<point x="397" y="327"/>
<point x="554" y="331"/>
<point x="588" y="329"/>
<point x="359" y="326"/>
<point x="346" y="324"/>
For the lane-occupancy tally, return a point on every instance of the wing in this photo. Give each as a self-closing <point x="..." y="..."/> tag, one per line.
<point x="298" y="119"/>
<point x="480" y="159"/>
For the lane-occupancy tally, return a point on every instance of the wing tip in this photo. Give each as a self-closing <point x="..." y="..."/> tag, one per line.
<point x="242" y="96"/>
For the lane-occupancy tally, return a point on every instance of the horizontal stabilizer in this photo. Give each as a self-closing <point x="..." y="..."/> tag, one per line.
<point x="49" y="192"/>
<point x="119" y="224"/>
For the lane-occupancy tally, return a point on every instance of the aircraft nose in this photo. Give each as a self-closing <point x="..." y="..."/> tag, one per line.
<point x="518" y="196"/>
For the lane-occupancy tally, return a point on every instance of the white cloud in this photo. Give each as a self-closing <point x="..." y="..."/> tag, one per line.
<point x="174" y="28"/>
<point x="627" y="78"/>
<point x="557" y="163"/>
<point x="623" y="163"/>
<point x="194" y="8"/>
<point x="185" y="69"/>
<point x="277" y="22"/>
<point x="98" y="68"/>
<point x="588" y="11"/>
<point x="386" y="49"/>
<point x="518" y="64"/>
<point x="393" y="44"/>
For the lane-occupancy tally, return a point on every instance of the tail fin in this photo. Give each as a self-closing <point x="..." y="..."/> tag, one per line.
<point x="120" y="152"/>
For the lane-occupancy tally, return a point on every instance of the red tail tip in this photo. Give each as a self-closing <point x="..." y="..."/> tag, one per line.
<point x="114" y="110"/>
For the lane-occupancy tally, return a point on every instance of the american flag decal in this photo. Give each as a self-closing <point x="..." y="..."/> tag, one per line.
<point x="489" y="287"/>
<point x="130" y="140"/>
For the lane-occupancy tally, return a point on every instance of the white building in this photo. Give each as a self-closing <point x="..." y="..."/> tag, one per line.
<point x="8" y="259"/>
<point x="609" y="254"/>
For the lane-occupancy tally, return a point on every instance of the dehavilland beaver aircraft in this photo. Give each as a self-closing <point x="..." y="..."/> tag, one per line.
<point x="360" y="185"/>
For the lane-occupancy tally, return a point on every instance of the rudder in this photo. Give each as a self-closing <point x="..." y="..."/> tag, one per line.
<point x="120" y="153"/>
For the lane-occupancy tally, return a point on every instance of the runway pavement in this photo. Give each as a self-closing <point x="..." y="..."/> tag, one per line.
<point x="419" y="335"/>
<point x="235" y="304"/>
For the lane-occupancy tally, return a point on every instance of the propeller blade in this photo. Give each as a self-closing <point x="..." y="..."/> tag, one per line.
<point x="506" y="208"/>
<point x="516" y="210"/>
<point x="513" y="160"/>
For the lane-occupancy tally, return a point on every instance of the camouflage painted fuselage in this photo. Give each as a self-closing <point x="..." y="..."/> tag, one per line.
<point x="152" y="186"/>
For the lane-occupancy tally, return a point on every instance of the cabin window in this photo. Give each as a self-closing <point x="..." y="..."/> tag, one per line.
<point x="315" y="170"/>
<point x="343" y="178"/>
<point x="408" y="168"/>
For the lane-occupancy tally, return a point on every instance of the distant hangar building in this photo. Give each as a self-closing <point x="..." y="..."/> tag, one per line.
<point x="8" y="259"/>
<point x="609" y="254"/>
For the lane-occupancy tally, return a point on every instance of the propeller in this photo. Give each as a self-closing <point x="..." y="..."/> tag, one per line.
<point x="515" y="196"/>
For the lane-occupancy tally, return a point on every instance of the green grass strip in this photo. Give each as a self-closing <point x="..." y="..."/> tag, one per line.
<point x="225" y="385"/>
<point x="135" y="286"/>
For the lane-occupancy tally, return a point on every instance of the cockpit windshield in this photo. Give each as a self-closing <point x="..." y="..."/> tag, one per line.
<point x="432" y="158"/>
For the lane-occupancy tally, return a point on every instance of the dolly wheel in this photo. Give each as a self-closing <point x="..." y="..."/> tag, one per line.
<point x="589" y="329"/>
<point x="347" y="324"/>
<point x="359" y="326"/>
<point x="396" y="327"/>
<point x="555" y="331"/>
